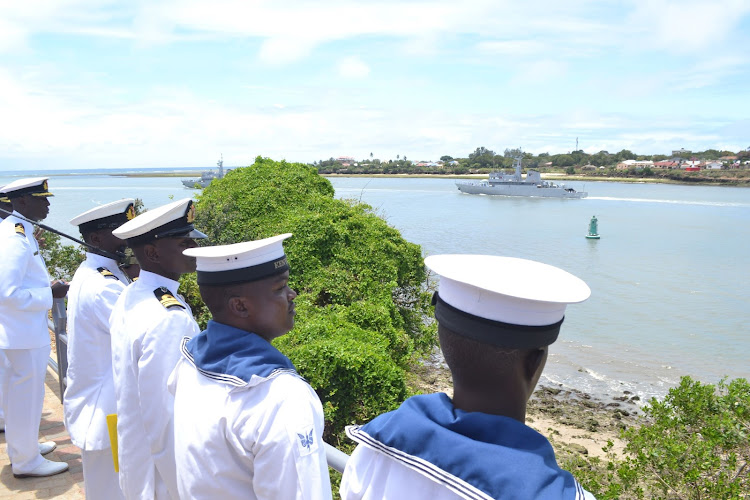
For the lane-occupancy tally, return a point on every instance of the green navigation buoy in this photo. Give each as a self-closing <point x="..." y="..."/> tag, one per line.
<point x="593" y="229"/>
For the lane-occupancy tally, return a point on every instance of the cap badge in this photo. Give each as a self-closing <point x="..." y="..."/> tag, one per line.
<point x="190" y="213"/>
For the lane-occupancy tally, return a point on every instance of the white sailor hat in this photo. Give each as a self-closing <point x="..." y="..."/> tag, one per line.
<point x="34" y="186"/>
<point x="240" y="262"/>
<point x="108" y="216"/>
<point x="505" y="301"/>
<point x="174" y="220"/>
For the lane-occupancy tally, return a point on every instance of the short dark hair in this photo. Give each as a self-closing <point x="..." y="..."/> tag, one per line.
<point x="473" y="362"/>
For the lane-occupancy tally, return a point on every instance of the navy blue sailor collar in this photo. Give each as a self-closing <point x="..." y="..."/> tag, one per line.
<point x="233" y="356"/>
<point x="476" y="455"/>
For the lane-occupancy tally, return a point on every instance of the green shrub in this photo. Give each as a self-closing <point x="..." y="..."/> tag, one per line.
<point x="694" y="444"/>
<point x="361" y="306"/>
<point x="697" y="444"/>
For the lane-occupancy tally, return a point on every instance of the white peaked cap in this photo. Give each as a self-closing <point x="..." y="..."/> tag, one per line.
<point x="172" y="219"/>
<point x="103" y="211"/>
<point x="507" y="289"/>
<point x="35" y="186"/>
<point x="240" y="262"/>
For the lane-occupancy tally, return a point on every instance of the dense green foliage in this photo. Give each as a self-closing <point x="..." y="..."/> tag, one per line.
<point x="62" y="260"/>
<point x="695" y="444"/>
<point x="361" y="303"/>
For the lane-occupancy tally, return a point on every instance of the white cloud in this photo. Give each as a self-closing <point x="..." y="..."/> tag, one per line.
<point x="353" y="67"/>
<point x="685" y="26"/>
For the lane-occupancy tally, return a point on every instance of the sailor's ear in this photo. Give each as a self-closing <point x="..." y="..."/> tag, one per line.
<point x="151" y="252"/>
<point x="533" y="362"/>
<point x="238" y="306"/>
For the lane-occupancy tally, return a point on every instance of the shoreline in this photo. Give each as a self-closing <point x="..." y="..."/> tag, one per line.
<point x="556" y="176"/>
<point x="574" y="422"/>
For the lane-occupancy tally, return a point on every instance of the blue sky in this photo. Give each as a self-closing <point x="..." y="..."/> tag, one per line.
<point x="150" y="83"/>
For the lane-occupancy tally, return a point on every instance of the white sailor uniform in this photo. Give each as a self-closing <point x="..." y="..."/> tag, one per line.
<point x="246" y="425"/>
<point x="90" y="392"/>
<point x="25" y="298"/>
<point x="147" y="324"/>
<point x="429" y="449"/>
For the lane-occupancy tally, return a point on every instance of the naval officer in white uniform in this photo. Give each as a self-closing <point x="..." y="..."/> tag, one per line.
<point x="90" y="391"/>
<point x="25" y="298"/>
<point x="147" y="324"/>
<point x="247" y="426"/>
<point x="496" y="318"/>
<point x="6" y="208"/>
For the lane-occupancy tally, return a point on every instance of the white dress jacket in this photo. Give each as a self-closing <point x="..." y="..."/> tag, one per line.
<point x="25" y="293"/>
<point x="90" y="393"/>
<point x="146" y="334"/>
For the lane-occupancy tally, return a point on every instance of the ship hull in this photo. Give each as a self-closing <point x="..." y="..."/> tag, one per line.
<point x="191" y="184"/>
<point x="531" y="191"/>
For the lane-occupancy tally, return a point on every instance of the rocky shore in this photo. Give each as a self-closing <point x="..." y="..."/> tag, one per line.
<point x="573" y="421"/>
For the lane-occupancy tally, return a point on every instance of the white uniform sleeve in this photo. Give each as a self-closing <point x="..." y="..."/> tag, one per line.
<point x="289" y="456"/>
<point x="160" y="353"/>
<point x="104" y="303"/>
<point x="17" y="256"/>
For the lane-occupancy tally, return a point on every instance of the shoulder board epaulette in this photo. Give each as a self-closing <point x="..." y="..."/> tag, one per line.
<point x="20" y="230"/>
<point x="166" y="298"/>
<point x="106" y="273"/>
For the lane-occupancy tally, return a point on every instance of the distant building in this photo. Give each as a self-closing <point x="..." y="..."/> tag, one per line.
<point x="666" y="164"/>
<point x="714" y="165"/>
<point x="636" y="164"/>
<point x="681" y="151"/>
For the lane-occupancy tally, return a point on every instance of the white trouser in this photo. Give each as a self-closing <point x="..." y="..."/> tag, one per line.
<point x="99" y="476"/>
<point x="23" y="406"/>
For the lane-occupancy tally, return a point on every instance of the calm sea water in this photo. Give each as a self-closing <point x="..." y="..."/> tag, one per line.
<point x="670" y="276"/>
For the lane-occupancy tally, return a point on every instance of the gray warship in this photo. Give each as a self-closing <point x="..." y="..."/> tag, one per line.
<point x="206" y="176"/>
<point x="500" y="183"/>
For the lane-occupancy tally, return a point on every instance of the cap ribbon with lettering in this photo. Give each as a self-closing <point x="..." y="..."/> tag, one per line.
<point x="240" y="262"/>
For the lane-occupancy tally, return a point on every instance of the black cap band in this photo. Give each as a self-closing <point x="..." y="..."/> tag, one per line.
<point x="111" y="222"/>
<point x="492" y="332"/>
<point x="245" y="275"/>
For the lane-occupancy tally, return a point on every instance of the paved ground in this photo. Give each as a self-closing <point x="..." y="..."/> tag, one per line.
<point x="68" y="485"/>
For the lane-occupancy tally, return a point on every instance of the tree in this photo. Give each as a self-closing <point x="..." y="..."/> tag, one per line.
<point x="446" y="158"/>
<point x="361" y="306"/>
<point x="625" y="154"/>
<point x="482" y="158"/>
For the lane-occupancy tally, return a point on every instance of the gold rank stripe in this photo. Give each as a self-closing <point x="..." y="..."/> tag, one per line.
<point x="20" y="229"/>
<point x="166" y="298"/>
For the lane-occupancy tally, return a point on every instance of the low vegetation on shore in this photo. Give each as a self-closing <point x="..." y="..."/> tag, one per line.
<point x="577" y="165"/>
